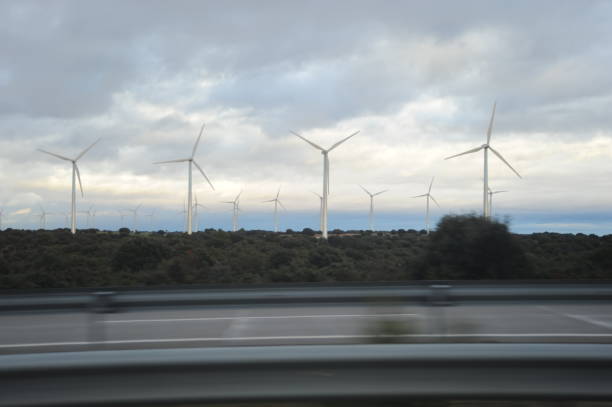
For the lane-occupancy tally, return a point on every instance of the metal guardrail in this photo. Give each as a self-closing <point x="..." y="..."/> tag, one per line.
<point x="354" y="372"/>
<point x="433" y="294"/>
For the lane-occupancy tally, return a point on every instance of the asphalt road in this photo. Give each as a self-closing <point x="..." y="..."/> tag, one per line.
<point x="25" y="332"/>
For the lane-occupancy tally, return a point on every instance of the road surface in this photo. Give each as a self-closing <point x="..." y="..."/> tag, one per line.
<point x="26" y="332"/>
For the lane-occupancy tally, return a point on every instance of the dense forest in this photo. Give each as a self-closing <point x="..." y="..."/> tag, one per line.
<point x="462" y="247"/>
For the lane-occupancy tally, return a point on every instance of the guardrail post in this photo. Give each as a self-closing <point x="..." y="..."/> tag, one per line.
<point x="102" y="302"/>
<point x="439" y="297"/>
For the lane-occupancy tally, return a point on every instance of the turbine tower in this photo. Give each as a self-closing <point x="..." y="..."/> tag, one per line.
<point x="491" y="193"/>
<point x="320" y="210"/>
<point x="75" y="174"/>
<point x="428" y="196"/>
<point x="486" y="147"/>
<point x="371" y="215"/>
<point x="325" y="153"/>
<point x="191" y="161"/>
<point x="235" y="210"/>
<point x="276" y="204"/>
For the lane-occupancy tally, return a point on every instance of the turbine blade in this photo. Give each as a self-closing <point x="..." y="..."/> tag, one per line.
<point x="434" y="199"/>
<point x="238" y="196"/>
<point x="61" y="157"/>
<point x="319" y="196"/>
<point x="343" y="140"/>
<point x="195" y="146"/>
<point x="202" y="171"/>
<point x="308" y="141"/>
<point x="381" y="192"/>
<point x="78" y="173"/>
<point x="490" y="129"/>
<point x="271" y="200"/>
<point x="430" y="184"/>
<point x="465" y="152"/>
<point x="498" y="192"/>
<point x="86" y="150"/>
<point x="419" y="196"/>
<point x="281" y="205"/>
<point x="277" y="193"/>
<point x="365" y="190"/>
<point x="173" y="161"/>
<point x="505" y="162"/>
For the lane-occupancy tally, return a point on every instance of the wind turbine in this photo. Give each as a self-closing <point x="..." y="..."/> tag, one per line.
<point x="325" y="153"/>
<point x="43" y="217"/>
<point x="491" y="193"/>
<point x="429" y="196"/>
<point x="235" y="211"/>
<point x="486" y="147"/>
<point x="135" y="212"/>
<point x="197" y="205"/>
<point x="150" y="216"/>
<point x="320" y="211"/>
<point x="371" y="215"/>
<point x="66" y="216"/>
<point x="276" y="204"/>
<point x="122" y="216"/>
<point x="89" y="214"/>
<point x="191" y="161"/>
<point x="75" y="174"/>
<point x="1" y="216"/>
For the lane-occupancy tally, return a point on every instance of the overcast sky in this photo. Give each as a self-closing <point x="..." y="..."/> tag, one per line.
<point x="418" y="79"/>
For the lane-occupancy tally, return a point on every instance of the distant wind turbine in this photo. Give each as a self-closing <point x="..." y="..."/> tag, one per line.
<point x="150" y="216"/>
<point x="134" y="212"/>
<point x="429" y="196"/>
<point x="122" y="216"/>
<point x="89" y="212"/>
<point x="235" y="210"/>
<point x="276" y="204"/>
<point x="325" y="153"/>
<point x="1" y="216"/>
<point x="371" y="214"/>
<point x="75" y="174"/>
<point x="42" y="218"/>
<point x="491" y="193"/>
<point x="197" y="205"/>
<point x="191" y="161"/>
<point x="486" y="147"/>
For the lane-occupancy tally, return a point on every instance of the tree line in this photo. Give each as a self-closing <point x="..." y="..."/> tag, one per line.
<point x="465" y="247"/>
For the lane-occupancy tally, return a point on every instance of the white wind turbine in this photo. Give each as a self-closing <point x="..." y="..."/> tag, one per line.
<point x="491" y="193"/>
<point x="486" y="147"/>
<point x="89" y="213"/>
<point x="197" y="205"/>
<point x="235" y="210"/>
<point x="276" y="204"/>
<point x="429" y="196"/>
<point x="75" y="174"/>
<point x="151" y="215"/>
<point x="42" y="218"/>
<point x="320" y="210"/>
<point x="325" y="153"/>
<point x="371" y="214"/>
<point x="134" y="211"/>
<point x="191" y="161"/>
<point x="121" y="216"/>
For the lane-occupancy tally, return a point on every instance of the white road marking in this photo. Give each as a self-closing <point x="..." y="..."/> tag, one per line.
<point x="307" y="337"/>
<point x="130" y="321"/>
<point x="590" y="320"/>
